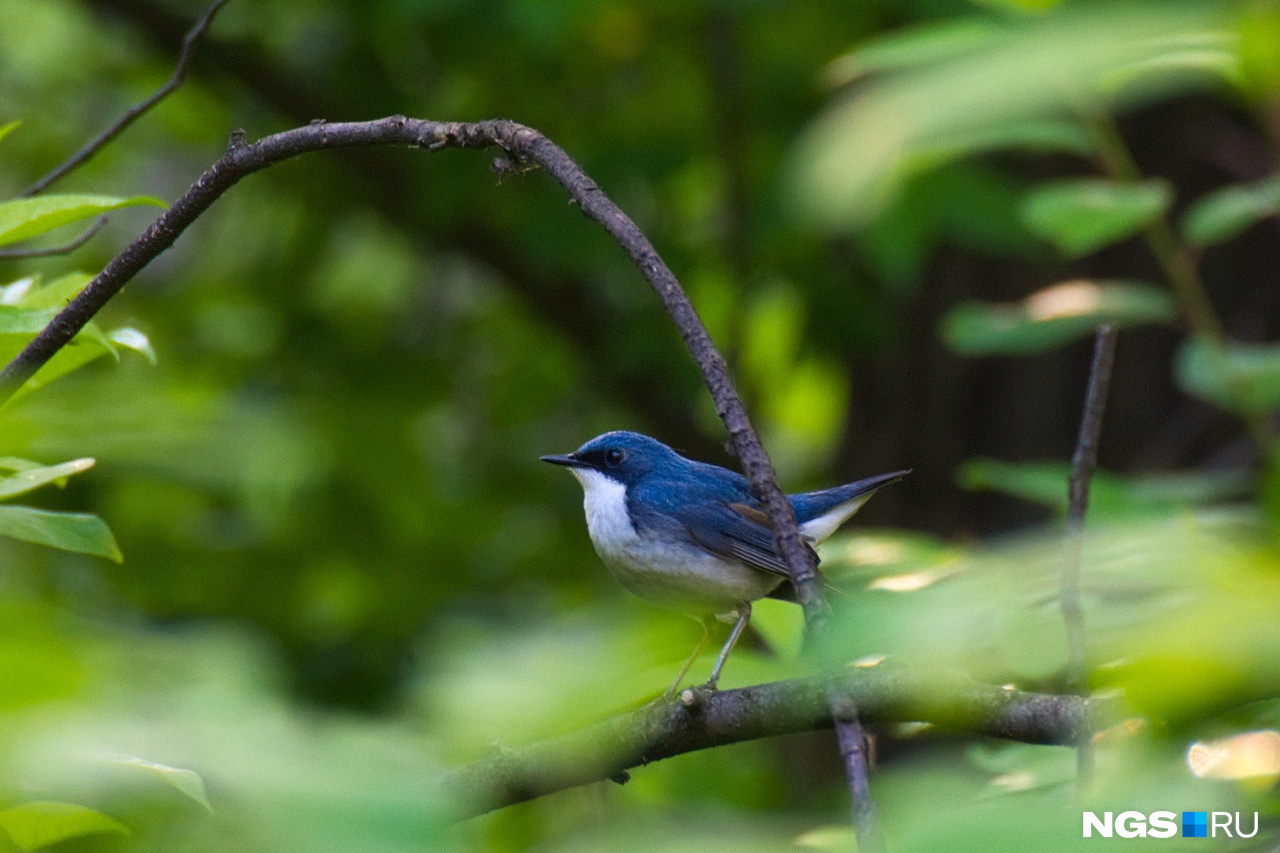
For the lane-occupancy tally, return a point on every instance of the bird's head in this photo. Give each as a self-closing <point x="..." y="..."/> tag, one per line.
<point x="624" y="457"/>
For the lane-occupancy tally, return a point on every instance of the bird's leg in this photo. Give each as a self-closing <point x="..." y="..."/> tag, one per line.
<point x="744" y="614"/>
<point x="697" y="651"/>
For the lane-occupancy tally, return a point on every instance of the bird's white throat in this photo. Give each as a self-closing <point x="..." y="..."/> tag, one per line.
<point x="605" y="501"/>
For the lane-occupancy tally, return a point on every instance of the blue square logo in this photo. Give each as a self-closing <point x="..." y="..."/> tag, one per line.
<point x="1195" y="824"/>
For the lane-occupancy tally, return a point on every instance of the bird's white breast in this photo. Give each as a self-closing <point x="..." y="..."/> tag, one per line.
<point x="669" y="573"/>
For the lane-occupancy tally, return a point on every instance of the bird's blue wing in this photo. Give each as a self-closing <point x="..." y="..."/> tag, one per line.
<point x="737" y="531"/>
<point x="714" y="510"/>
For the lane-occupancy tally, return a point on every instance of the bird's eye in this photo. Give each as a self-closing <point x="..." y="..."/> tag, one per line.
<point x="613" y="457"/>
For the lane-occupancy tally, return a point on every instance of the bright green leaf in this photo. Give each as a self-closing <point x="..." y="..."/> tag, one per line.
<point x="35" y="825"/>
<point x="70" y="531"/>
<point x="1019" y="767"/>
<point x="1038" y="135"/>
<point x="919" y="46"/>
<point x="1212" y="54"/>
<point x="24" y="321"/>
<point x="1021" y="5"/>
<point x="33" y="478"/>
<point x="1226" y="212"/>
<point x="873" y="137"/>
<point x="92" y="333"/>
<point x="1237" y="377"/>
<point x="23" y="218"/>
<point x="133" y="339"/>
<point x="15" y="291"/>
<point x="1081" y="216"/>
<point x="6" y="129"/>
<point x="187" y="782"/>
<point x="1053" y="316"/>
<point x="85" y="347"/>
<point x="1258" y="28"/>
<point x="828" y="839"/>
<point x="1045" y="483"/>
<point x="57" y="293"/>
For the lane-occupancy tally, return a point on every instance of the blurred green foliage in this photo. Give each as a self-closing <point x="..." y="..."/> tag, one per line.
<point x="327" y="563"/>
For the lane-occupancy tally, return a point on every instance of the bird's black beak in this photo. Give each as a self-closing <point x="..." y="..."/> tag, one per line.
<point x="569" y="460"/>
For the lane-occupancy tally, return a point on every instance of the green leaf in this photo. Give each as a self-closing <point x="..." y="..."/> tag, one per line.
<point x="1212" y="55"/>
<point x="70" y="531"/>
<point x="187" y="782"/>
<point x="828" y="839"/>
<point x="24" y="321"/>
<point x="1110" y="495"/>
<point x="44" y="823"/>
<point x="29" y="479"/>
<point x="1045" y="483"/>
<point x="872" y="137"/>
<point x="89" y="345"/>
<point x="1020" y="767"/>
<point x="1081" y="216"/>
<point x="922" y="45"/>
<point x="1037" y="135"/>
<point x="1242" y="378"/>
<point x="133" y="339"/>
<point x="1021" y="5"/>
<point x="14" y="292"/>
<point x="57" y="293"/>
<point x="1053" y="316"/>
<point x="6" y="129"/>
<point x="1258" y="28"/>
<point x="23" y="218"/>
<point x="1226" y="212"/>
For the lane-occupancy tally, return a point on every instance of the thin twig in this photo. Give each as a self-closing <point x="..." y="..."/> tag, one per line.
<point x="1083" y="463"/>
<point x="134" y="112"/>
<point x="661" y="730"/>
<point x="853" y="752"/>
<point x="65" y="249"/>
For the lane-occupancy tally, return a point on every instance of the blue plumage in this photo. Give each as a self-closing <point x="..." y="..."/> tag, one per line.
<point x="688" y="535"/>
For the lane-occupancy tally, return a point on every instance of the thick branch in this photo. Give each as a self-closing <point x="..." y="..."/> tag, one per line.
<point x="664" y="729"/>
<point x="524" y="145"/>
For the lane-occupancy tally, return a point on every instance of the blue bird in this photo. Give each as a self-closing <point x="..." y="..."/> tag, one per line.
<point x="690" y="536"/>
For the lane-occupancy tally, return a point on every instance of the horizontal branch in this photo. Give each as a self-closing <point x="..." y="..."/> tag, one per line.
<point x="661" y="729"/>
